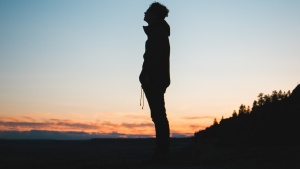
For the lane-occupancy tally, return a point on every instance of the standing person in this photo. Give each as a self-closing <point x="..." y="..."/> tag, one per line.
<point x="155" y="75"/>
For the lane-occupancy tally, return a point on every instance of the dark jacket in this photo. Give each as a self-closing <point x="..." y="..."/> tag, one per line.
<point x="156" y="66"/>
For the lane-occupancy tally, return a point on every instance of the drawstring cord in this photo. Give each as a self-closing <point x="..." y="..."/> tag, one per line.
<point x="142" y="98"/>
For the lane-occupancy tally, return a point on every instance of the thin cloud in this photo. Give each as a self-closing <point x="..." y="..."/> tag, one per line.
<point x="198" y="117"/>
<point x="24" y="125"/>
<point x="140" y="117"/>
<point x="197" y="127"/>
<point x="78" y="125"/>
<point x="46" y="125"/>
<point x="68" y="125"/>
<point x="9" y="119"/>
<point x="29" y="118"/>
<point x="61" y="120"/>
<point x="135" y="125"/>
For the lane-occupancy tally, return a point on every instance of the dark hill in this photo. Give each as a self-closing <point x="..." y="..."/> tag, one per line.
<point x="273" y="120"/>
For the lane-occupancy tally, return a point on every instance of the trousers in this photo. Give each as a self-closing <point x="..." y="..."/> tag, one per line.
<point x="156" y="101"/>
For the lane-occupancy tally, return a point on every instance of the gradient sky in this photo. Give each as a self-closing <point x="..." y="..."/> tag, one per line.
<point x="70" y="65"/>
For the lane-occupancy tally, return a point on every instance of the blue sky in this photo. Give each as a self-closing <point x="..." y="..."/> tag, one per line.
<point x="80" y="60"/>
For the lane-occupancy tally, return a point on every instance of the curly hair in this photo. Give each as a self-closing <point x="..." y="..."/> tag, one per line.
<point x="159" y="10"/>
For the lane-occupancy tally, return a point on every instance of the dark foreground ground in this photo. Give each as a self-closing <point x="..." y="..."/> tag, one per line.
<point x="132" y="154"/>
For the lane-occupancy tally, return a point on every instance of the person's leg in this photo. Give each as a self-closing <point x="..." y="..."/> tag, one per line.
<point x="159" y="117"/>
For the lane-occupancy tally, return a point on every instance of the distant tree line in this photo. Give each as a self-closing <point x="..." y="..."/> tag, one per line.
<point x="273" y="119"/>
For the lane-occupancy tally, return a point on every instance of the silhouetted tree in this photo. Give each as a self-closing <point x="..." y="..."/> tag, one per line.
<point x="255" y="104"/>
<point x="261" y="100"/>
<point x="242" y="110"/>
<point x="274" y="96"/>
<point x="234" y="114"/>
<point x="267" y="99"/>
<point x="248" y="110"/>
<point x="273" y="119"/>
<point x="215" y="122"/>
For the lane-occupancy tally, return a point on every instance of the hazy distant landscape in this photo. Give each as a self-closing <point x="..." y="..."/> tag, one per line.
<point x="61" y="135"/>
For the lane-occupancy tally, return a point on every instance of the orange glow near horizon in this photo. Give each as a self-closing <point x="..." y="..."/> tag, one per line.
<point x="140" y="125"/>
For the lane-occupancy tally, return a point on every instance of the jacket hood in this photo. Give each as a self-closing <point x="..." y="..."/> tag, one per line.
<point x="162" y="24"/>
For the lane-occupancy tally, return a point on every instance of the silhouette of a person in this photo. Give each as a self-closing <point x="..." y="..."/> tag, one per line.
<point x="155" y="74"/>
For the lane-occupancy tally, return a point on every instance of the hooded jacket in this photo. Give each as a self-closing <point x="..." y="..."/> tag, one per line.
<point x="156" y="66"/>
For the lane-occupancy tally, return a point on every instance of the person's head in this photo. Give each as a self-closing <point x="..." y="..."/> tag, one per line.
<point x="156" y="11"/>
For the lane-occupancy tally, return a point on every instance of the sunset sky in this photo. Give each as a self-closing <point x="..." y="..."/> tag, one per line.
<point x="73" y="65"/>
